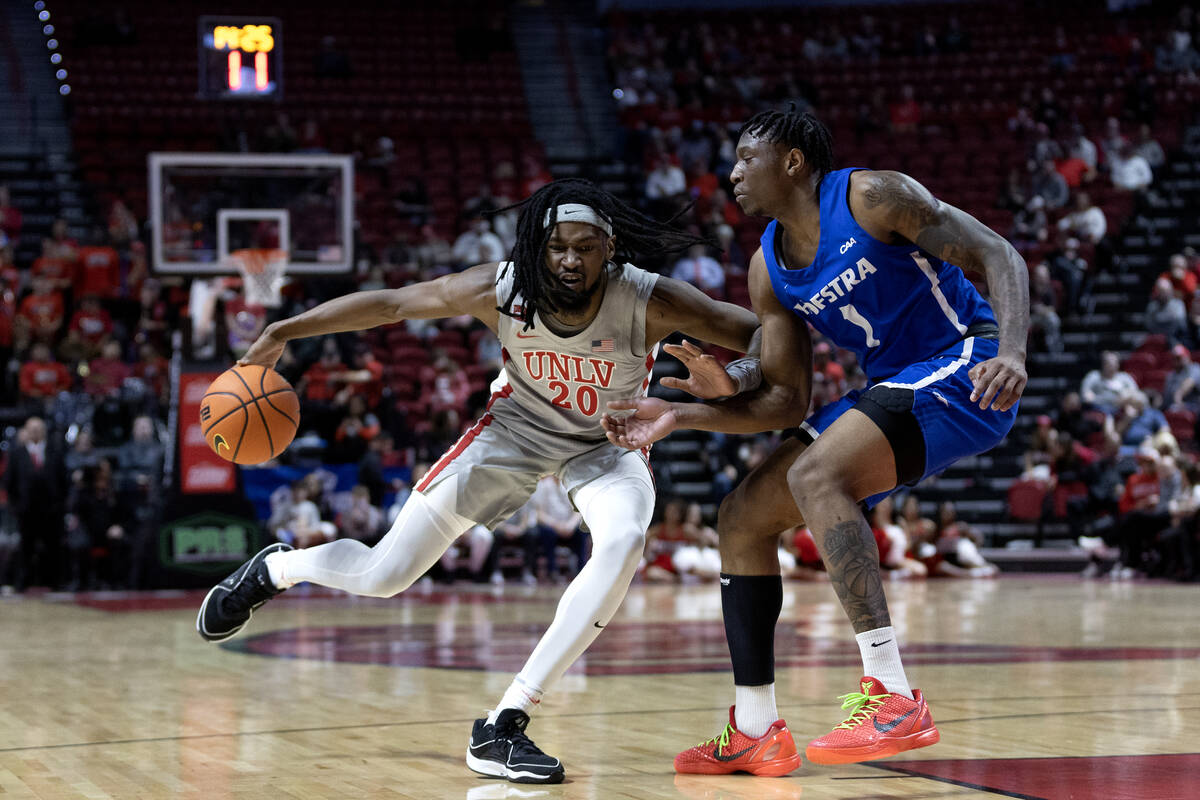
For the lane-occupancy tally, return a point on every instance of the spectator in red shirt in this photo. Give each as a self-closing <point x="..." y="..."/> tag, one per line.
<point x="1143" y="513"/>
<point x="99" y="271"/>
<point x="1183" y="280"/>
<point x="56" y="270"/>
<point x="1075" y="171"/>
<point x="10" y="216"/>
<point x="42" y="311"/>
<point x="41" y="376"/>
<point x="107" y="372"/>
<point x="905" y="115"/>
<point x="357" y="428"/>
<point x="60" y="245"/>
<point x="319" y="382"/>
<point x="366" y="379"/>
<point x="91" y="322"/>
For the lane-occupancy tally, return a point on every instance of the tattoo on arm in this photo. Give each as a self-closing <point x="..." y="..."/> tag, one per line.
<point x="907" y="209"/>
<point x="911" y="211"/>
<point x="852" y="560"/>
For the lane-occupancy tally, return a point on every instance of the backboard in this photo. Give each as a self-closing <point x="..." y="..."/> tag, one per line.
<point x="203" y="206"/>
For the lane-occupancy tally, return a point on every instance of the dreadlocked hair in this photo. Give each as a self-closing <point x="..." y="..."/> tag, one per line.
<point x="635" y="233"/>
<point x="802" y="131"/>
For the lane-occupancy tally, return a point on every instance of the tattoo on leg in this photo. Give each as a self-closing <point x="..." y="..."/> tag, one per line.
<point x="852" y="560"/>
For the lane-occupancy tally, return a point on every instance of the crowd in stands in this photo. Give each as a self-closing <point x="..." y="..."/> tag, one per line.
<point x="1117" y="461"/>
<point x="85" y="330"/>
<point x="84" y="342"/>
<point x="1078" y="170"/>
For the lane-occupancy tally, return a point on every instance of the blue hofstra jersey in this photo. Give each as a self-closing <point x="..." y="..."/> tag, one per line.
<point x="893" y="305"/>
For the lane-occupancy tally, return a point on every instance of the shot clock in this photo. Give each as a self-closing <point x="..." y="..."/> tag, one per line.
<point x="241" y="57"/>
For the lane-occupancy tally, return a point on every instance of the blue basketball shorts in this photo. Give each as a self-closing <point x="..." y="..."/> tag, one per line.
<point x="940" y="390"/>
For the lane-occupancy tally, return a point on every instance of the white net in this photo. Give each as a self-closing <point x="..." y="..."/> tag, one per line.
<point x="262" y="271"/>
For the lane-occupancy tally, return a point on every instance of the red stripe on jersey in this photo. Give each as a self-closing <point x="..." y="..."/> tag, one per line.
<point x="649" y="369"/>
<point x="464" y="441"/>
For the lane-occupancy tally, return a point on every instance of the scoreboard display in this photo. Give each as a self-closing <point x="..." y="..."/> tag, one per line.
<point x="241" y="57"/>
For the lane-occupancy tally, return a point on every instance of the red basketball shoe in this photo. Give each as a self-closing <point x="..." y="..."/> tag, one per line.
<point x="880" y="725"/>
<point x="772" y="754"/>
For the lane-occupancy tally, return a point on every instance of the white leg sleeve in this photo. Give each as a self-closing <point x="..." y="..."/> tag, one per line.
<point x="479" y="540"/>
<point x="423" y="530"/>
<point x="617" y="509"/>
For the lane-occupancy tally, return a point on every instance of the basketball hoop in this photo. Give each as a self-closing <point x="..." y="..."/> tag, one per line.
<point x="262" y="271"/>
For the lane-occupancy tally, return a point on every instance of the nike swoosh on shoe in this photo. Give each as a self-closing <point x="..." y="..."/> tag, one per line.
<point x="889" y="726"/>
<point x="732" y="756"/>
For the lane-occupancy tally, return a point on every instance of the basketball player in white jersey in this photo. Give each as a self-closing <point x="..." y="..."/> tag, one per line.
<point x="579" y="327"/>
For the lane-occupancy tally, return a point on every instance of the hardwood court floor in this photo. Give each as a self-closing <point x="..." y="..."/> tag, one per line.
<point x="1042" y="687"/>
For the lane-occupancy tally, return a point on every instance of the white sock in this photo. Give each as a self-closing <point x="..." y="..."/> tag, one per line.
<point x="881" y="660"/>
<point x="274" y="562"/>
<point x="519" y="695"/>
<point x="754" y="709"/>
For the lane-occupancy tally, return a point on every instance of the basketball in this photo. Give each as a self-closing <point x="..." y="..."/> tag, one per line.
<point x="249" y="414"/>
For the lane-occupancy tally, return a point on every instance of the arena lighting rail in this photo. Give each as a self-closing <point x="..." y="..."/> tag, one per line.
<point x="56" y="57"/>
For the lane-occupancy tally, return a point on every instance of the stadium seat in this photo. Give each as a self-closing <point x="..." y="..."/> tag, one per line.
<point x="1183" y="424"/>
<point x="1026" y="500"/>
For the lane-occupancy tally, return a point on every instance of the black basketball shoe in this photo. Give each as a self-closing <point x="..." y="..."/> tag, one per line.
<point x="504" y="751"/>
<point x="228" y="605"/>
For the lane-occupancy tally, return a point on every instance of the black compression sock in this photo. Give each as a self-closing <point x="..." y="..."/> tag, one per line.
<point x="751" y="605"/>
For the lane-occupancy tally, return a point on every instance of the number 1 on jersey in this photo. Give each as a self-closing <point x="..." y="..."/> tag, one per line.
<point x="851" y="315"/>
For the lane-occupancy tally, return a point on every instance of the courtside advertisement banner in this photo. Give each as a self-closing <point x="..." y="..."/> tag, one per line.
<point x="201" y="471"/>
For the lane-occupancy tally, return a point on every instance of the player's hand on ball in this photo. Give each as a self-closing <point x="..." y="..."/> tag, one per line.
<point x="706" y="378"/>
<point x="651" y="420"/>
<point x="265" y="351"/>
<point x="999" y="382"/>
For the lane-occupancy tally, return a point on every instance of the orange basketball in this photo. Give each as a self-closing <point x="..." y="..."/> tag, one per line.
<point x="249" y="414"/>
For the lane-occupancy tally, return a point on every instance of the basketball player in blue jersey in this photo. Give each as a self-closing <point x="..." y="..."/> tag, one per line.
<point x="875" y="262"/>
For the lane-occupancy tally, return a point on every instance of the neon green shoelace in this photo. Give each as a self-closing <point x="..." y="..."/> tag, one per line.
<point x="721" y="741"/>
<point x="861" y="707"/>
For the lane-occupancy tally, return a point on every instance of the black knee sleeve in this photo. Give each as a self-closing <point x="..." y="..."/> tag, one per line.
<point x="751" y="605"/>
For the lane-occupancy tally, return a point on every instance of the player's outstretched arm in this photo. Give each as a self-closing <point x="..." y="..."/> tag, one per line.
<point x="677" y="306"/>
<point x="780" y="402"/>
<point x="891" y="203"/>
<point x="471" y="291"/>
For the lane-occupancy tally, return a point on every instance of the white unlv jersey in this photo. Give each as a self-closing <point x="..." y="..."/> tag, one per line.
<point x="553" y="387"/>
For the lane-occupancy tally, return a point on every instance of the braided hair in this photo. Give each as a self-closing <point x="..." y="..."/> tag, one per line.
<point x="635" y="233"/>
<point x="802" y="131"/>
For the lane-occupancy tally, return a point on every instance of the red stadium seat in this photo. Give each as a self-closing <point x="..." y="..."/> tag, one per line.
<point x="1026" y="500"/>
<point x="1183" y="424"/>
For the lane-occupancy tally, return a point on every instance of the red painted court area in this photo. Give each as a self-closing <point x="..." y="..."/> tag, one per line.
<point x="631" y="648"/>
<point x="1159" y="777"/>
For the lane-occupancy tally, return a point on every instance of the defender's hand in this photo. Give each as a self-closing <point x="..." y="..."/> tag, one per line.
<point x="706" y="379"/>
<point x="265" y="351"/>
<point x="999" y="382"/>
<point x="651" y="420"/>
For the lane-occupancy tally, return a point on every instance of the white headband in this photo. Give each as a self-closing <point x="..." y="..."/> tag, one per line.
<point x="577" y="212"/>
